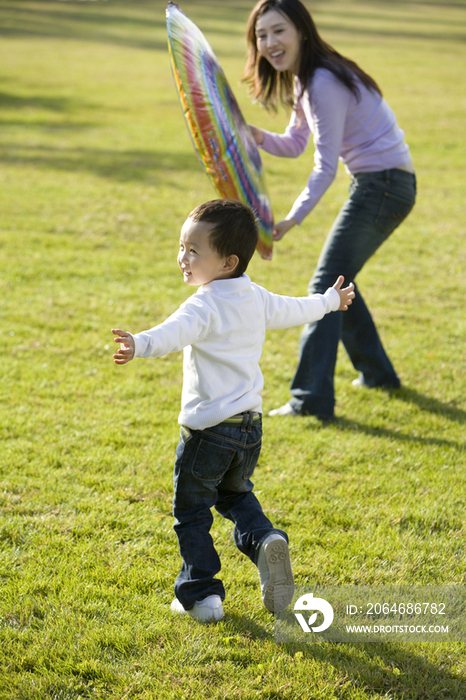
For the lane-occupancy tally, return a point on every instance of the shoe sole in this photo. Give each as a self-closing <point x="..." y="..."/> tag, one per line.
<point x="278" y="593"/>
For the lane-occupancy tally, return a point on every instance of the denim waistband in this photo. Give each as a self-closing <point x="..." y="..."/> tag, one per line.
<point x="387" y="175"/>
<point x="245" y="418"/>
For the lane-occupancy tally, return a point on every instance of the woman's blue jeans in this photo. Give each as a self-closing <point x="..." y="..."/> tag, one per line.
<point x="377" y="204"/>
<point x="213" y="468"/>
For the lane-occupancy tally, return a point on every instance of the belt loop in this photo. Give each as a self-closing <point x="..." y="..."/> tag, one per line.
<point x="248" y="421"/>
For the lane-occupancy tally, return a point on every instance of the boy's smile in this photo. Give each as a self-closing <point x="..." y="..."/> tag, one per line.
<point x="198" y="261"/>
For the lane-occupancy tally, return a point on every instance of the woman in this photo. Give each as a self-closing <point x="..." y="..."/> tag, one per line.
<point x="343" y="108"/>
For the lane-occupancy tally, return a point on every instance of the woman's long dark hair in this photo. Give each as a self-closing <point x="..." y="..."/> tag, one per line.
<point x="268" y="86"/>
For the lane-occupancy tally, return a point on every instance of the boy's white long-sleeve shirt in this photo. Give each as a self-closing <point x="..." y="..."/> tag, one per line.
<point x="221" y="329"/>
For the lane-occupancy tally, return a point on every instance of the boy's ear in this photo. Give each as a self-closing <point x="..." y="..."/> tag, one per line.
<point x="230" y="263"/>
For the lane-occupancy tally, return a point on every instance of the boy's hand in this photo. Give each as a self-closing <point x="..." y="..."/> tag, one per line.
<point x="126" y="352"/>
<point x="346" y="294"/>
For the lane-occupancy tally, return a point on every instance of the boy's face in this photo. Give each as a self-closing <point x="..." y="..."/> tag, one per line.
<point x="199" y="263"/>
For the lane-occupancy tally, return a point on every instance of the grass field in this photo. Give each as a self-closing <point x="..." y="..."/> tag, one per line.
<point x="97" y="174"/>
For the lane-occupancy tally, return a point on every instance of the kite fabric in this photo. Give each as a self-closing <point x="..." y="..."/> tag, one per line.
<point x="222" y="140"/>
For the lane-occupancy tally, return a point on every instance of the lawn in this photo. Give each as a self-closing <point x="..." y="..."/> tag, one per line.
<point x="97" y="176"/>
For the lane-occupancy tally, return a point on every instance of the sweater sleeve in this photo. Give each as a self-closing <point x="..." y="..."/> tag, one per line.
<point x="286" y="312"/>
<point x="322" y="109"/>
<point x="184" y="327"/>
<point x="328" y="108"/>
<point x="293" y="142"/>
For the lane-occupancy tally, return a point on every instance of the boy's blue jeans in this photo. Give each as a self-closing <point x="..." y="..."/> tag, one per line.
<point x="377" y="204"/>
<point x="213" y="468"/>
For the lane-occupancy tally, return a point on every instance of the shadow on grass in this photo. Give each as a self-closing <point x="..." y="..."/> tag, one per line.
<point x="141" y="23"/>
<point x="123" y="166"/>
<point x="242" y="624"/>
<point x="386" y="24"/>
<point x="393" y="669"/>
<point x="56" y="19"/>
<point x="425" y="403"/>
<point x="347" y="424"/>
<point x="63" y="105"/>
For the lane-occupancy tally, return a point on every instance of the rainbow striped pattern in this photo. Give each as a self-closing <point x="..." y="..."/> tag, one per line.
<point x="220" y="135"/>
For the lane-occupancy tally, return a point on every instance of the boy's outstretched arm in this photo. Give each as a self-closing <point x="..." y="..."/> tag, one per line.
<point x="126" y="352"/>
<point x="346" y="294"/>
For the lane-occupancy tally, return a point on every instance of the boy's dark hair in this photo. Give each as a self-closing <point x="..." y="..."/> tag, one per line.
<point x="234" y="230"/>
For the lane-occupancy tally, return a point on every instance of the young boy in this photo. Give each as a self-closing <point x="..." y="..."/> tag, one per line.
<point x="222" y="330"/>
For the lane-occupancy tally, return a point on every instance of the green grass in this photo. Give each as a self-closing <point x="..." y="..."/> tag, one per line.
<point x="97" y="175"/>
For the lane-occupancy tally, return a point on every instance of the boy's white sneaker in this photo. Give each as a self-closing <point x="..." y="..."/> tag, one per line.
<point x="208" y="610"/>
<point x="275" y="573"/>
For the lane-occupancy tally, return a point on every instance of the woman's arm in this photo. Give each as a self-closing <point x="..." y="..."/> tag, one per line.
<point x="291" y="144"/>
<point x="328" y="111"/>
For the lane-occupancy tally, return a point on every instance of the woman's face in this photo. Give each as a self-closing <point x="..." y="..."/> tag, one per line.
<point x="278" y="41"/>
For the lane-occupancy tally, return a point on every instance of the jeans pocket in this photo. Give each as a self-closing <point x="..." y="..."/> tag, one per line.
<point x="212" y="461"/>
<point x="392" y="212"/>
<point x="252" y="462"/>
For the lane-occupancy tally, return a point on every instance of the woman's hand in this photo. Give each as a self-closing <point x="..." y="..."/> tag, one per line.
<point x="282" y="227"/>
<point x="257" y="133"/>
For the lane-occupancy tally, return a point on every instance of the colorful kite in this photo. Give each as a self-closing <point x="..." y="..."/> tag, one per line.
<point x="221" y="138"/>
